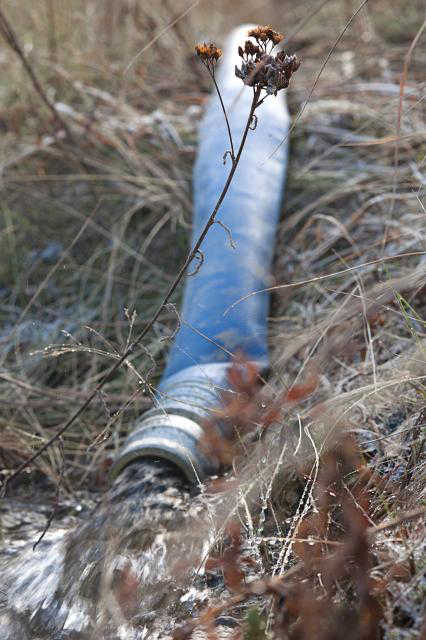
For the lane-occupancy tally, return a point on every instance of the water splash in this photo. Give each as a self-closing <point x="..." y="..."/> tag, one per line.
<point x="116" y="574"/>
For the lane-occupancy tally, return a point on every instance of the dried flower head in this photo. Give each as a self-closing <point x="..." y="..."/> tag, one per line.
<point x="265" y="34"/>
<point x="250" y="49"/>
<point x="208" y="53"/>
<point x="259" y="68"/>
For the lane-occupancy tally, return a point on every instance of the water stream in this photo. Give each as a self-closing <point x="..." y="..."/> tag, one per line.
<point x="116" y="574"/>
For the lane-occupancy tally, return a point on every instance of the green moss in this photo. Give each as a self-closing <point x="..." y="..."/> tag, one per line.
<point x="255" y="625"/>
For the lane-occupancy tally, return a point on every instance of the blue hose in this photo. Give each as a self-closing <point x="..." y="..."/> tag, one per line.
<point x="236" y="261"/>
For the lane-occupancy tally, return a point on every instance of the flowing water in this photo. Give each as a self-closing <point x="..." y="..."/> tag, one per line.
<point x="115" y="575"/>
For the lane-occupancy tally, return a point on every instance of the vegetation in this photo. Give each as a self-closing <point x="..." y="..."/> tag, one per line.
<point x="97" y="99"/>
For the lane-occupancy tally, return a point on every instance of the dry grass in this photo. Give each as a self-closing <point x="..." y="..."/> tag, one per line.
<point x="91" y="233"/>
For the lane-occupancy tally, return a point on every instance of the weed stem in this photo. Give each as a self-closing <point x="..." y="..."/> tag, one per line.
<point x="224" y="113"/>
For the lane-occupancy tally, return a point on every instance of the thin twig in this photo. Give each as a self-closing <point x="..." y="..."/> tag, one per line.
<point x="211" y="72"/>
<point x="300" y="25"/>
<point x="9" y="35"/>
<point x="228" y="232"/>
<point x="404" y="517"/>
<point x="319" y="74"/>
<point x="300" y="283"/>
<point x="161" y="33"/>
<point x="56" y="499"/>
<point x="402" y="84"/>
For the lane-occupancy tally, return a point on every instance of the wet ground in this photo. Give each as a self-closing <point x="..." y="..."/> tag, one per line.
<point x="109" y="570"/>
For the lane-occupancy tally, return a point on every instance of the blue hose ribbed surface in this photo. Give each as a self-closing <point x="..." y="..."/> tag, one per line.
<point x="251" y="211"/>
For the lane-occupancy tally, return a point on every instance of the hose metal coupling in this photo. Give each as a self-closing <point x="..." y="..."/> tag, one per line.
<point x="172" y="430"/>
<point x="168" y="436"/>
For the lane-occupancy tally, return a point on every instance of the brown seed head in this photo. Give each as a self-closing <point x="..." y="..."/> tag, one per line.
<point x="259" y="68"/>
<point x="265" y="34"/>
<point x="251" y="49"/>
<point x="209" y="53"/>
